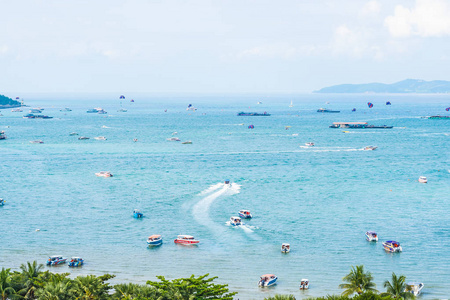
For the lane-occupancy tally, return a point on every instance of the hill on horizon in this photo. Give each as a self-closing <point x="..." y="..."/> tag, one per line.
<point x="6" y="102"/>
<point x="405" y="86"/>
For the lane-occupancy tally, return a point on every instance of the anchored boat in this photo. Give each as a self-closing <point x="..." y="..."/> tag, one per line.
<point x="392" y="246"/>
<point x="371" y="236"/>
<point x="235" y="221"/>
<point x="414" y="288"/>
<point x="56" y="260"/>
<point x="154" y="240"/>
<point x="423" y="179"/>
<point x="285" y="248"/>
<point x="267" y="280"/>
<point x="137" y="214"/>
<point x="245" y="214"/>
<point x="186" y="240"/>
<point x="304" y="284"/>
<point x="76" y="262"/>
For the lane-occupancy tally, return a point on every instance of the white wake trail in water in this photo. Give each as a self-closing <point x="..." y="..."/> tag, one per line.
<point x="200" y="210"/>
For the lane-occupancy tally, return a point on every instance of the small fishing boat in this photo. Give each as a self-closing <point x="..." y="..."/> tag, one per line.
<point x="104" y="174"/>
<point x="122" y="110"/>
<point x="324" y="110"/>
<point x="235" y="221"/>
<point x="137" y="214"/>
<point x="245" y="214"/>
<point x="2" y="202"/>
<point x="31" y="116"/>
<point x="100" y="138"/>
<point x="76" y="262"/>
<point x="304" y="284"/>
<point x="174" y="139"/>
<point x="191" y="108"/>
<point x="154" y="240"/>
<point x="37" y="142"/>
<point x="370" y="148"/>
<point x="392" y="246"/>
<point x="92" y="111"/>
<point x="388" y="103"/>
<point x="354" y="109"/>
<point x="102" y="112"/>
<point x="16" y="110"/>
<point x="83" y="138"/>
<point x="35" y="111"/>
<point x="423" y="179"/>
<point x="186" y="240"/>
<point x="285" y="248"/>
<point x="371" y="236"/>
<point x="66" y="109"/>
<point x="56" y="260"/>
<point x="310" y="144"/>
<point x="135" y="140"/>
<point x="187" y="143"/>
<point x="73" y="133"/>
<point x="414" y="288"/>
<point x="267" y="280"/>
<point x="2" y="135"/>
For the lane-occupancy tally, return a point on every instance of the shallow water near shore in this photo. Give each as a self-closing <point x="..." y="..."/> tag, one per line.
<point x="319" y="199"/>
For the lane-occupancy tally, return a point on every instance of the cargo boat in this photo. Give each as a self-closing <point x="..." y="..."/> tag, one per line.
<point x="358" y="125"/>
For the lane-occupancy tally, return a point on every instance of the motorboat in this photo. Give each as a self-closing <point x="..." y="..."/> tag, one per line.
<point x="173" y="139"/>
<point x="56" y="260"/>
<point x="83" y="138"/>
<point x="73" y="133"/>
<point x="235" y="221"/>
<point x="392" y="246"/>
<point x="16" y="110"/>
<point x="35" y="111"/>
<point x="101" y="111"/>
<point x="2" y="135"/>
<point x="191" y="108"/>
<point x="100" y="138"/>
<point x="187" y="143"/>
<point x="31" y="116"/>
<point x="414" y="288"/>
<point x="310" y="144"/>
<point x="92" y="111"/>
<point x="154" y="240"/>
<point x="304" y="284"/>
<point x="122" y="110"/>
<point x="2" y="202"/>
<point x="370" y="147"/>
<point x="76" y="262"/>
<point x="245" y="214"/>
<point x="267" y="280"/>
<point x="227" y="181"/>
<point x="37" y="142"/>
<point x="285" y="248"/>
<point x="186" y="240"/>
<point x="104" y="174"/>
<point x="324" y="110"/>
<point x="66" y="109"/>
<point x="371" y="236"/>
<point x="137" y="214"/>
<point x="423" y="179"/>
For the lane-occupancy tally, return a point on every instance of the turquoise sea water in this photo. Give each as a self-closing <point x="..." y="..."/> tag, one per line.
<point x="320" y="199"/>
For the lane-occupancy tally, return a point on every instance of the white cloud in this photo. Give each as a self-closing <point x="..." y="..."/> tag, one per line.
<point x="372" y="7"/>
<point x="428" y="18"/>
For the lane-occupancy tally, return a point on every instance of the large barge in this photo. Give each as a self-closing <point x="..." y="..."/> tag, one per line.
<point x="358" y="125"/>
<point x="253" y="114"/>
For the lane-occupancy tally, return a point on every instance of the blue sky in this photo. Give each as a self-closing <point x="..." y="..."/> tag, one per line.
<point x="229" y="46"/>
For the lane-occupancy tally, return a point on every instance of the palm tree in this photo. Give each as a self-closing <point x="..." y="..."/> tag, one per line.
<point x="358" y="281"/>
<point x="55" y="291"/>
<point x="30" y="276"/>
<point x="92" y="287"/>
<point x="6" y="289"/>
<point x="281" y="297"/>
<point x="397" y="288"/>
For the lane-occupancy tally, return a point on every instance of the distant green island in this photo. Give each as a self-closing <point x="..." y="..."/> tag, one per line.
<point x="405" y="86"/>
<point x="6" y="102"/>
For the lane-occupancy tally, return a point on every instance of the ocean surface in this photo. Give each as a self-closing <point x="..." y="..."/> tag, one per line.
<point x="320" y="199"/>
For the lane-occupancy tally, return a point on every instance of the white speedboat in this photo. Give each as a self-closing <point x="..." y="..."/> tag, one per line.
<point x="414" y="288"/>
<point x="285" y="248"/>
<point x="122" y="110"/>
<point x="245" y="214"/>
<point x="310" y="144"/>
<point x="104" y="174"/>
<point x="304" y="284"/>
<point x="392" y="246"/>
<point x="371" y="236"/>
<point x="37" y="142"/>
<point x="267" y="280"/>
<point x="174" y="139"/>
<point x="370" y="148"/>
<point x="235" y="221"/>
<point x="73" y="133"/>
<point x="65" y="109"/>
<point x="100" y="138"/>
<point x="423" y="179"/>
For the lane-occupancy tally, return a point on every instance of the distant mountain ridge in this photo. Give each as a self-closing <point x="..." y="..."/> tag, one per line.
<point x="405" y="86"/>
<point x="6" y="102"/>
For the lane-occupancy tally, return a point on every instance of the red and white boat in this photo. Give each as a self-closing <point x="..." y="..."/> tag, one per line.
<point x="186" y="240"/>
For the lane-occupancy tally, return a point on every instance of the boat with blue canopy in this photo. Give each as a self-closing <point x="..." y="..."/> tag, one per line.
<point x="267" y="280"/>
<point x="155" y="240"/>
<point x="137" y="214"/>
<point x="392" y="246"/>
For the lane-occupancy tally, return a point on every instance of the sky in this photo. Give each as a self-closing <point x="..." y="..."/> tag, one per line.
<point x="219" y="46"/>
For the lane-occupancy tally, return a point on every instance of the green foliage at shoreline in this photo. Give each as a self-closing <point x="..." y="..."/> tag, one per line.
<point x="6" y="101"/>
